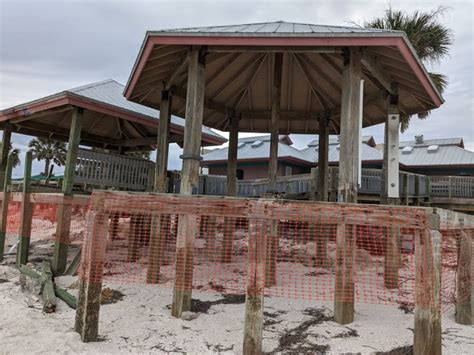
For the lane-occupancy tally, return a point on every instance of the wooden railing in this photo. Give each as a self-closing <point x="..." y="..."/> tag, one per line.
<point x="113" y="171"/>
<point x="452" y="186"/>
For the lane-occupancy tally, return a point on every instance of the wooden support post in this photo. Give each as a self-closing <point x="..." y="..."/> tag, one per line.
<point x="465" y="278"/>
<point x="345" y="259"/>
<point x="323" y="158"/>
<point x="229" y="223"/>
<point x="232" y="155"/>
<point x="427" y="332"/>
<point x="4" y="150"/>
<point x="255" y="281"/>
<point x="65" y="210"/>
<point x="188" y="224"/>
<point x="272" y="245"/>
<point x="416" y="198"/>
<point x="163" y="141"/>
<point x="88" y="304"/>
<point x="160" y="224"/>
<point x="159" y="234"/>
<point x="392" y="257"/>
<point x="391" y="190"/>
<point x="5" y="204"/>
<point x="275" y="122"/>
<point x="134" y="238"/>
<point x="350" y="131"/>
<point x="405" y="188"/>
<point x="26" y="216"/>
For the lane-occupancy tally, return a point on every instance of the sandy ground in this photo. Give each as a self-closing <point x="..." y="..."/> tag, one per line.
<point x="141" y="322"/>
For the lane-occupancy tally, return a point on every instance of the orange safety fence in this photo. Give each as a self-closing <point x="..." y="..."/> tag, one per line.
<point x="300" y="239"/>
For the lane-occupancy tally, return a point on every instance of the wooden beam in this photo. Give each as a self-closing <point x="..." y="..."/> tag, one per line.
<point x="64" y="211"/>
<point x="349" y="137"/>
<point x="273" y="49"/>
<point x="169" y="82"/>
<point x="378" y="71"/>
<point x="232" y="154"/>
<point x="188" y="224"/>
<point x="208" y="103"/>
<point x="35" y="116"/>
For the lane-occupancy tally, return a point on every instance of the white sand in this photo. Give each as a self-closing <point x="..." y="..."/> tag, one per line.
<point x="141" y="322"/>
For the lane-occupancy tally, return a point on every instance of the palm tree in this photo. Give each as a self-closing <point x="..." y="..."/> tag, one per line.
<point x="49" y="151"/>
<point x="15" y="156"/>
<point x="430" y="38"/>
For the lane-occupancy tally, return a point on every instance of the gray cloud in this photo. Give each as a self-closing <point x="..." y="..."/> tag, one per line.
<point x="49" y="46"/>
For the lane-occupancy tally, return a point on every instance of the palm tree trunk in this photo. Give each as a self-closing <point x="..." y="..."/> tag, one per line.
<point x="46" y="167"/>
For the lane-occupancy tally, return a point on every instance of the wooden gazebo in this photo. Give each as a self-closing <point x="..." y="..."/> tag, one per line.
<point x="94" y="115"/>
<point x="281" y="78"/>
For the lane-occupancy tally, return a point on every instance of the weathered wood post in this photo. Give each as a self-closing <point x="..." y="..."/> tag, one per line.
<point x="323" y="158"/>
<point x="391" y="189"/>
<point x="350" y="132"/>
<point x="256" y="264"/>
<point x="229" y="223"/>
<point x="272" y="245"/>
<point x="5" y="204"/>
<point x="26" y="214"/>
<point x="91" y="270"/>
<point x="344" y="269"/>
<point x="133" y="249"/>
<point x="465" y="277"/>
<point x="160" y="223"/>
<point x="5" y="148"/>
<point x="188" y="224"/>
<point x="427" y="332"/>
<point x="392" y="255"/>
<point x="65" y="209"/>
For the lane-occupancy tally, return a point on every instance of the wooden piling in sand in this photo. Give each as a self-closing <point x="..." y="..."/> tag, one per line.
<point x="465" y="279"/>
<point x="26" y="216"/>
<point x="427" y="331"/>
<point x="392" y="257"/>
<point x="88" y="304"/>
<point x="344" y="284"/>
<point x="5" y="203"/>
<point x="257" y="252"/>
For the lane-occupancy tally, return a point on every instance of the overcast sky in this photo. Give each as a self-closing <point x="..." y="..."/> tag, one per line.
<point x="50" y="46"/>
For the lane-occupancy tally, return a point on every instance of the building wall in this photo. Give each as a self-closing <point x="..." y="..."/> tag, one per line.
<point x="444" y="171"/>
<point x="259" y="170"/>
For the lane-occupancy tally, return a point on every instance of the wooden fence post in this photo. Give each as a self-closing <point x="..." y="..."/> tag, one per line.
<point x="257" y="251"/>
<point x="5" y="203"/>
<point x="134" y="238"/>
<point x="465" y="278"/>
<point x="88" y="304"/>
<point x="427" y="333"/>
<point x="345" y="259"/>
<point x="26" y="214"/>
<point x="272" y="244"/>
<point x="392" y="256"/>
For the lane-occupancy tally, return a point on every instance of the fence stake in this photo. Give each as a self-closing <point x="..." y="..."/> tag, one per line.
<point x="26" y="214"/>
<point x="272" y="251"/>
<point x="5" y="203"/>
<point x="427" y="333"/>
<point x="257" y="251"/>
<point x="465" y="279"/>
<point x="134" y="238"/>
<point x="88" y="304"/>
<point x="345" y="258"/>
<point x="228" y="240"/>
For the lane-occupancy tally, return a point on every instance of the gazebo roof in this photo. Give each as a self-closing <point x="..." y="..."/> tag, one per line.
<point x="109" y="119"/>
<point x="239" y="76"/>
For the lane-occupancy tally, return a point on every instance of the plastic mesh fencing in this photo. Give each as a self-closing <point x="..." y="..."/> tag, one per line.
<point x="44" y="222"/>
<point x="302" y="247"/>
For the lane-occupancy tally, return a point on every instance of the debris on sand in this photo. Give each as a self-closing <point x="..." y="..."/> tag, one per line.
<point x="109" y="296"/>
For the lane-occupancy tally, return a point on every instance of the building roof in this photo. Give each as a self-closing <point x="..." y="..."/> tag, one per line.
<point x="248" y="151"/>
<point x="238" y="72"/>
<point x="277" y="27"/>
<point x="436" y="154"/>
<point x="439" y="141"/>
<point x="104" y="106"/>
